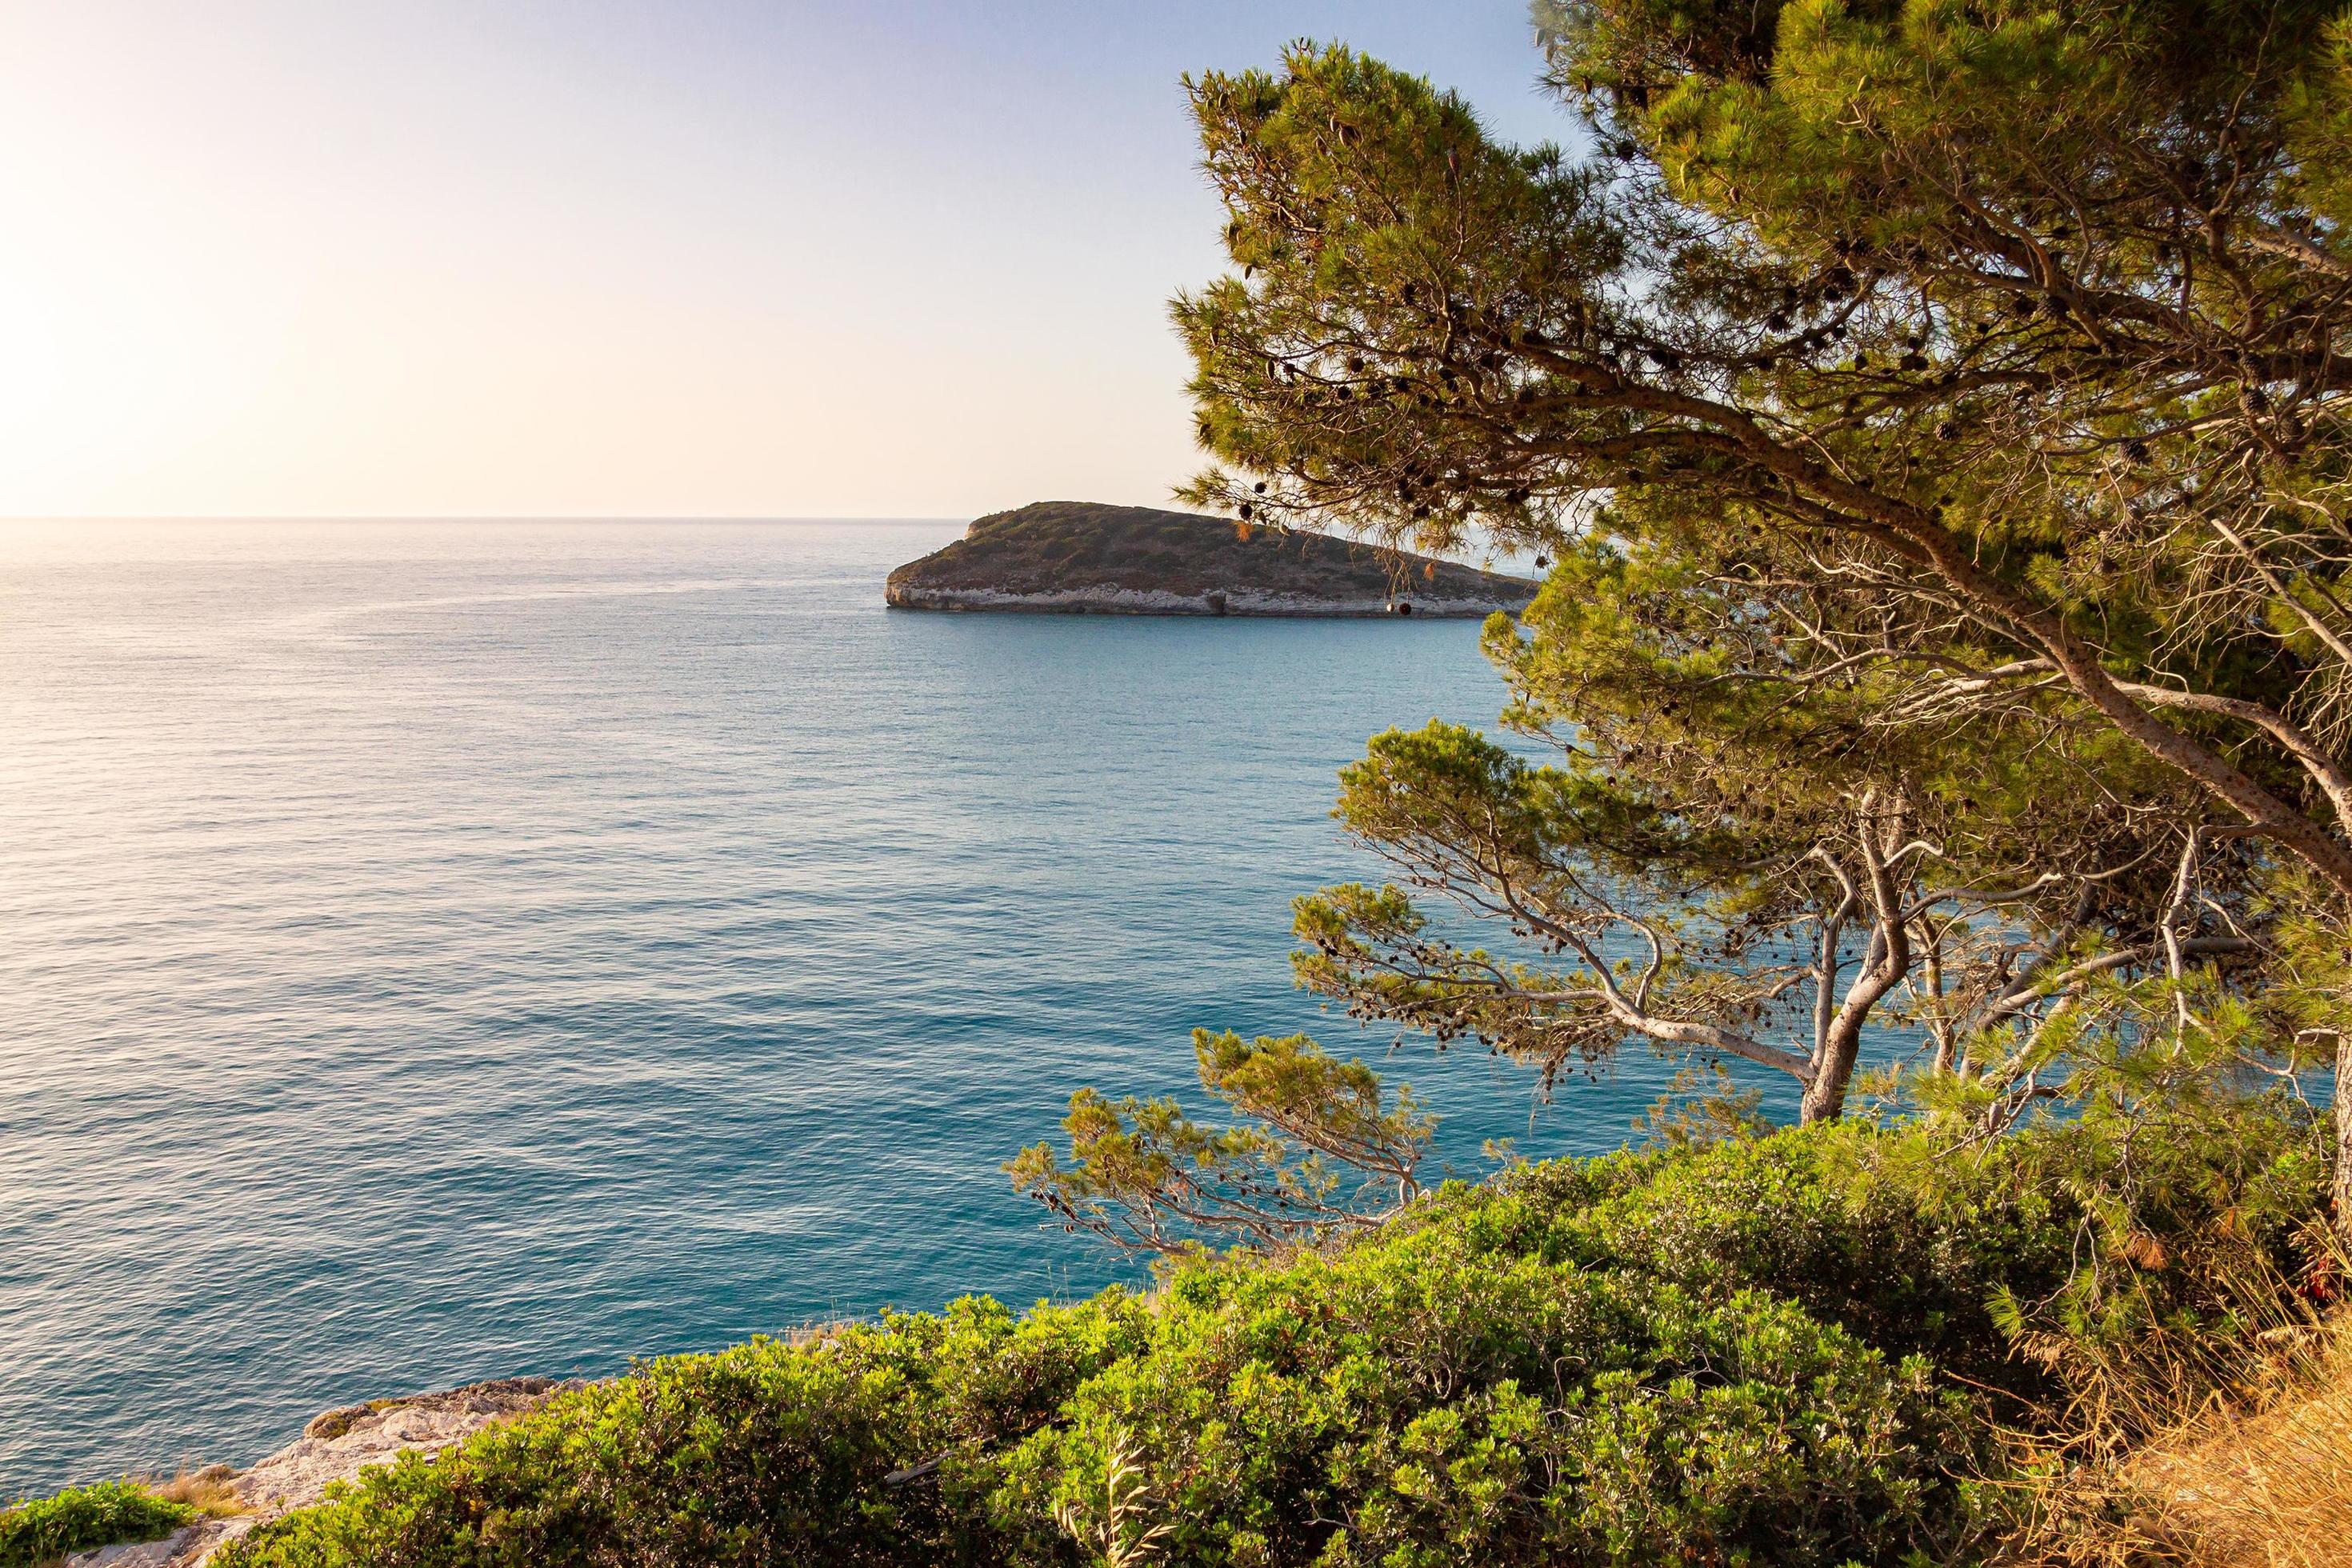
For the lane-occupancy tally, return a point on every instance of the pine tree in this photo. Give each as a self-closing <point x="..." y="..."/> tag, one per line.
<point x="1937" y="410"/>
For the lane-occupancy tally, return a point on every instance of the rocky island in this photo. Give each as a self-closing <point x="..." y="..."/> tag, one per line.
<point x="1081" y="558"/>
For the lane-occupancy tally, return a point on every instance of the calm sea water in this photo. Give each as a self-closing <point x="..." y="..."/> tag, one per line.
<point x="436" y="952"/>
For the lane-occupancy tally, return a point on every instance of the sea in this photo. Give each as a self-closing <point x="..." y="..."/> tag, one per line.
<point x="441" y="951"/>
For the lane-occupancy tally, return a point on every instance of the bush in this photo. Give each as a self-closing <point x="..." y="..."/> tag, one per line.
<point x="762" y="1453"/>
<point x="1792" y="1350"/>
<point x="1419" y="1404"/>
<point x="1829" y="1218"/>
<point x="83" y="1517"/>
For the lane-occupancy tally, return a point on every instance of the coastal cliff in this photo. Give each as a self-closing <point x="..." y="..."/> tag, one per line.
<point x="335" y="1446"/>
<point x="1082" y="558"/>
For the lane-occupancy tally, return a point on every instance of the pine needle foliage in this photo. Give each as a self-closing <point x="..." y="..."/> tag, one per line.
<point x="1937" y="412"/>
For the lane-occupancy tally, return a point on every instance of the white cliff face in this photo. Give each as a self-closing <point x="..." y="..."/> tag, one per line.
<point x="335" y="1446"/>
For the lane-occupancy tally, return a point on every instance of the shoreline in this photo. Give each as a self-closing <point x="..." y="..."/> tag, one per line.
<point x="334" y="1446"/>
<point x="1105" y="599"/>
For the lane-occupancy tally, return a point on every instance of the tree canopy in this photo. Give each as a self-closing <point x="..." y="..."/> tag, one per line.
<point x="1937" y="412"/>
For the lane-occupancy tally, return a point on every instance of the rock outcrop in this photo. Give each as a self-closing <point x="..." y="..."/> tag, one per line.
<point x="1080" y="558"/>
<point x="335" y="1446"/>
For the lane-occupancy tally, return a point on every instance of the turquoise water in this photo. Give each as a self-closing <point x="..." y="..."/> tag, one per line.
<point x="435" y="951"/>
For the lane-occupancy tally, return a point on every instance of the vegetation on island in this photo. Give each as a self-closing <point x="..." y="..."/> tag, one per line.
<point x="1085" y="557"/>
<point x="1932" y="412"/>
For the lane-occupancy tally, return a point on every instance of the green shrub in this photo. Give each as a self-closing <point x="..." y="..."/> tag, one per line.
<point x="1418" y="1404"/>
<point x="761" y="1453"/>
<point x="1778" y="1352"/>
<point x="1829" y="1218"/>
<point x="80" y="1517"/>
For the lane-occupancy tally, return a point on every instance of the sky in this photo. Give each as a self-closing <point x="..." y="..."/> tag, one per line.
<point x="692" y="258"/>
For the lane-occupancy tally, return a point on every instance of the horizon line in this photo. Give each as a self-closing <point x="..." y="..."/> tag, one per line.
<point x="474" y="517"/>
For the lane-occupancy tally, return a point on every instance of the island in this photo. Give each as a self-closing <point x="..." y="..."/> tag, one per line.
<point x="1083" y="558"/>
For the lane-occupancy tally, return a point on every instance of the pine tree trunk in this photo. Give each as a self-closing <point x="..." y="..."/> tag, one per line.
<point x="1823" y="1101"/>
<point x="1824" y="1097"/>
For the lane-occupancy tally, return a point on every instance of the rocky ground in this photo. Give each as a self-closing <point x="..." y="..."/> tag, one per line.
<point x="335" y="1446"/>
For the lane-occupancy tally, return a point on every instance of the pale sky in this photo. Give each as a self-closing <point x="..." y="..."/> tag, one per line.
<point x="697" y="258"/>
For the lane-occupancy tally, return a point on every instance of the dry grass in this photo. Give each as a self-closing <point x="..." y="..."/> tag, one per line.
<point x="2269" y="1488"/>
<point x="211" y="1492"/>
<point x="2230" y="1453"/>
<point x="1127" y="1537"/>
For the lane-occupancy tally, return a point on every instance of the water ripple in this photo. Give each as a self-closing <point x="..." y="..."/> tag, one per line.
<point x="438" y="952"/>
